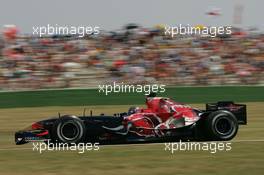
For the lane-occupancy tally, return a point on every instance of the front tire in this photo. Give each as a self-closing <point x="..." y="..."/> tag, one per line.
<point x="221" y="125"/>
<point x="68" y="129"/>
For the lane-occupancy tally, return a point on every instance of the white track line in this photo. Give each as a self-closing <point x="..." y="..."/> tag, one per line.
<point x="122" y="145"/>
<point x="237" y="141"/>
<point x="14" y="149"/>
<point x="142" y="144"/>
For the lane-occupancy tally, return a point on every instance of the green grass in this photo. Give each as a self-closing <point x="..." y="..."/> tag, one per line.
<point x="244" y="158"/>
<point x="81" y="97"/>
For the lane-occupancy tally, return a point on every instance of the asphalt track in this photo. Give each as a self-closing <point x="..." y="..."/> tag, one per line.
<point x="132" y="145"/>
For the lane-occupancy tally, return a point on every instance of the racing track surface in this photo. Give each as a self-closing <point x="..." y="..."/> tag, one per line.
<point x="246" y="156"/>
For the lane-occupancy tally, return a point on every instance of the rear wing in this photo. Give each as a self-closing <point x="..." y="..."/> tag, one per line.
<point x="239" y="110"/>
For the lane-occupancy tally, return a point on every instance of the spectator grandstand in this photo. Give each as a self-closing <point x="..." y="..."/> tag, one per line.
<point x="131" y="55"/>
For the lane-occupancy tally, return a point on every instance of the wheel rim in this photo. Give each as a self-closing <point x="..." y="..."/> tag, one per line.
<point x="224" y="126"/>
<point x="69" y="131"/>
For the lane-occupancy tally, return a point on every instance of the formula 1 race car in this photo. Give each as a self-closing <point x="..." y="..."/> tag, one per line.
<point x="163" y="120"/>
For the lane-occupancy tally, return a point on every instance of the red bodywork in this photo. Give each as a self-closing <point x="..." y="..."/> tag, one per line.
<point x="160" y="114"/>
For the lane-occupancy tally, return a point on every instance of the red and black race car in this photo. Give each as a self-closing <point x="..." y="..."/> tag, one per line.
<point x="163" y="120"/>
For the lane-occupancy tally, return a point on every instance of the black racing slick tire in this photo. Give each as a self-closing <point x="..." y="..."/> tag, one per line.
<point x="68" y="129"/>
<point x="221" y="125"/>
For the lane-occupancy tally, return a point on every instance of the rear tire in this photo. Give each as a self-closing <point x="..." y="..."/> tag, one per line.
<point x="68" y="129"/>
<point x="221" y="125"/>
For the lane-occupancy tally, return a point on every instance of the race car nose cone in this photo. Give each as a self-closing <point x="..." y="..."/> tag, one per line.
<point x="19" y="138"/>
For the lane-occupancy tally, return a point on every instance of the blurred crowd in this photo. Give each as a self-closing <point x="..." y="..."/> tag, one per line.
<point x="133" y="55"/>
